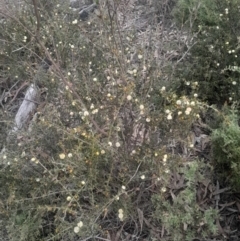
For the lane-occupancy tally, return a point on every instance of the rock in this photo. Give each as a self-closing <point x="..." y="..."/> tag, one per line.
<point x="83" y="14"/>
<point x="80" y="3"/>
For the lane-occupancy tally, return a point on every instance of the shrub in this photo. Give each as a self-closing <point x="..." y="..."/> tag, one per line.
<point x="226" y="152"/>
<point x="182" y="217"/>
<point x="213" y="52"/>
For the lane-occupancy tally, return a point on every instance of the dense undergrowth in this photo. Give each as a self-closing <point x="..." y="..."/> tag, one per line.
<point x="109" y="153"/>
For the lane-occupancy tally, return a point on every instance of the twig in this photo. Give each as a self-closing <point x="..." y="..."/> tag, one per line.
<point x="135" y="173"/>
<point x="37" y="16"/>
<point x="22" y="86"/>
<point x="185" y="53"/>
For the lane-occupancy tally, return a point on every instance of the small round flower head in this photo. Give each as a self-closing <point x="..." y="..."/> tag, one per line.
<point x="120" y="210"/>
<point x="76" y="229"/>
<point x="141" y="107"/>
<point x="167" y="111"/>
<point x="143" y="177"/>
<point x="178" y="102"/>
<point x="165" y="158"/>
<point x="74" y="21"/>
<point x="69" y="198"/>
<point x="148" y="119"/>
<point x="133" y="152"/>
<point x="62" y="156"/>
<point x="80" y="224"/>
<point x="95" y="111"/>
<point x="120" y="214"/>
<point x="25" y="39"/>
<point x="179" y="112"/>
<point x="123" y="188"/>
<point x="169" y="117"/>
<point x="129" y="97"/>
<point x="188" y="110"/>
<point x="86" y="113"/>
<point x="118" y="144"/>
<point x="163" y="189"/>
<point x="192" y="103"/>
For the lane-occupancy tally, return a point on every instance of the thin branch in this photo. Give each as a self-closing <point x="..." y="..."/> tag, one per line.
<point x="37" y="16"/>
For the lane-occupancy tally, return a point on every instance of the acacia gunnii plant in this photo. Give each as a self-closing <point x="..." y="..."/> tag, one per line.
<point x="96" y="157"/>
